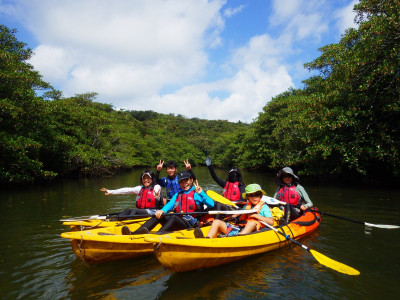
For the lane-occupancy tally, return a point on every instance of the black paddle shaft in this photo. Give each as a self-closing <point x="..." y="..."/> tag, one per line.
<point x="339" y="217"/>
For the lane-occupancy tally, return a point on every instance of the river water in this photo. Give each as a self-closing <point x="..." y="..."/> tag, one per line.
<point x="36" y="263"/>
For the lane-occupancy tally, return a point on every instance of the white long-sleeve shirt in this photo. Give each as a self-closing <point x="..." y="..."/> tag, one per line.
<point x="133" y="190"/>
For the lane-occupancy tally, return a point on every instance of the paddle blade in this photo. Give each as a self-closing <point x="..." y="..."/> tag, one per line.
<point x="221" y="199"/>
<point x="382" y="226"/>
<point x="333" y="264"/>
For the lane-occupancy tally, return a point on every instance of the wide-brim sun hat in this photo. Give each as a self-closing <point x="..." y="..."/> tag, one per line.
<point x="253" y="188"/>
<point x="289" y="171"/>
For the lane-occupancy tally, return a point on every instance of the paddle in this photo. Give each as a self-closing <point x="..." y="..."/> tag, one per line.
<point x="101" y="217"/>
<point x="273" y="201"/>
<point x="322" y="259"/>
<point x="215" y="196"/>
<point x="211" y="212"/>
<point x="219" y="198"/>
<point x="137" y="218"/>
<point x="359" y="222"/>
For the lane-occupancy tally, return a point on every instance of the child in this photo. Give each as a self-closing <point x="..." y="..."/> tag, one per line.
<point x="148" y="199"/>
<point x="248" y="222"/>
<point x="170" y="182"/>
<point x="190" y="198"/>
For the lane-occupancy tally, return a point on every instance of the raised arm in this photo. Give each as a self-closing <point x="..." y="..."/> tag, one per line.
<point x="214" y="176"/>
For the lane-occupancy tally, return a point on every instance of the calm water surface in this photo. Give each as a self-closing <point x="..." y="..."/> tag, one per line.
<point x="36" y="263"/>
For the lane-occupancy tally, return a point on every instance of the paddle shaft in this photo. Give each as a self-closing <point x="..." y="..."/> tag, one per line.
<point x="287" y="237"/>
<point x="211" y="212"/>
<point x="358" y="222"/>
<point x="339" y="217"/>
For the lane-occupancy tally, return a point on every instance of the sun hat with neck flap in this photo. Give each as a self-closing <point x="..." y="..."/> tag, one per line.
<point x="286" y="170"/>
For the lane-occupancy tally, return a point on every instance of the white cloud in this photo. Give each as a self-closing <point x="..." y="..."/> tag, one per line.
<point x="304" y="19"/>
<point x="129" y="51"/>
<point x="345" y="17"/>
<point x="54" y="62"/>
<point x="257" y="76"/>
<point x="230" y="12"/>
<point x="122" y="49"/>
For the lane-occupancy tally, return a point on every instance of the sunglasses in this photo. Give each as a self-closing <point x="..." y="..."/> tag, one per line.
<point x="258" y="194"/>
<point x="286" y="175"/>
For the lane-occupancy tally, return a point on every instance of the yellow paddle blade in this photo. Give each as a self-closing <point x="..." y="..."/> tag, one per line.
<point x="219" y="198"/>
<point x="333" y="264"/>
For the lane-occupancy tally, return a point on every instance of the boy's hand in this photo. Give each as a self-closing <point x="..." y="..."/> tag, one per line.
<point x="160" y="166"/>
<point x="187" y="164"/>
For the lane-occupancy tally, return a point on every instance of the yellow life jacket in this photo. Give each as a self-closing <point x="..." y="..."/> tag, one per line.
<point x="277" y="214"/>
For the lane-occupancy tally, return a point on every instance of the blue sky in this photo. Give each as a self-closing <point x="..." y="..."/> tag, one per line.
<point x="213" y="59"/>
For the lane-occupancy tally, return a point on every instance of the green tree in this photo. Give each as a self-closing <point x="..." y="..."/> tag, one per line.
<point x="347" y="119"/>
<point x="361" y="91"/>
<point x="20" y="111"/>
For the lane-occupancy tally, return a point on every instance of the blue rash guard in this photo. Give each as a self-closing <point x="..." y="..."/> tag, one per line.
<point x="200" y="199"/>
<point x="171" y="185"/>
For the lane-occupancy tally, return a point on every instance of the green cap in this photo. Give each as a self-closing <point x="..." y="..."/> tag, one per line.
<point x="253" y="188"/>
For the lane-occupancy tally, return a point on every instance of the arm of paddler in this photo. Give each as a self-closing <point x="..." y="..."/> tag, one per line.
<point x="202" y="198"/>
<point x="122" y="191"/>
<point x="264" y="215"/>
<point x="170" y="204"/>
<point x="302" y="192"/>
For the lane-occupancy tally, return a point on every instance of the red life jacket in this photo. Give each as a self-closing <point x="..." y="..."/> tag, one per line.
<point x="232" y="191"/>
<point x="185" y="202"/>
<point x="289" y="195"/>
<point x="146" y="198"/>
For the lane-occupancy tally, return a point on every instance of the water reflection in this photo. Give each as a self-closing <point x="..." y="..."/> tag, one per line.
<point x="37" y="264"/>
<point x="115" y="278"/>
<point x="280" y="273"/>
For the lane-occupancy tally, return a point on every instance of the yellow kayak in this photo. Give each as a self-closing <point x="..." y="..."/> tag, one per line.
<point x="189" y="254"/>
<point x="108" y="243"/>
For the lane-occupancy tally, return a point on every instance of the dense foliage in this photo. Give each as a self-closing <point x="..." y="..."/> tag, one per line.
<point x="344" y="121"/>
<point x="347" y="119"/>
<point x="20" y="112"/>
<point x="40" y="139"/>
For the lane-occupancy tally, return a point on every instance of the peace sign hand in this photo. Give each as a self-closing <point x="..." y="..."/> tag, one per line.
<point x="160" y="166"/>
<point x="198" y="189"/>
<point x="187" y="164"/>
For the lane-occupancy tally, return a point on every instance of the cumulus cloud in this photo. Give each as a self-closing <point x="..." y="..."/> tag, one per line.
<point x="257" y="76"/>
<point x="121" y="49"/>
<point x="345" y="17"/>
<point x="302" y="19"/>
<point x="133" y="52"/>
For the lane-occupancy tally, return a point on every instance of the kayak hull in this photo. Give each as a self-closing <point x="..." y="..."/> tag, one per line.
<point x="109" y="244"/>
<point x="93" y="252"/>
<point x="182" y="255"/>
